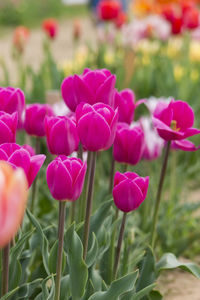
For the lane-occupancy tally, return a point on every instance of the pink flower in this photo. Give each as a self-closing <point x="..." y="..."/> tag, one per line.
<point x="124" y="100"/>
<point x="90" y="87"/>
<point x="12" y="100"/>
<point x="184" y="145"/>
<point x="62" y="136"/>
<point x="34" y="118"/>
<point x="17" y="156"/>
<point x="8" y="127"/>
<point x="153" y="144"/>
<point x="65" y="177"/>
<point x="129" y="144"/>
<point x="28" y="148"/>
<point x="13" y="198"/>
<point x="174" y="121"/>
<point x="129" y="190"/>
<point x="96" y="125"/>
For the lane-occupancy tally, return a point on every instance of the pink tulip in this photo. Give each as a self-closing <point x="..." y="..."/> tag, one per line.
<point x="62" y="136"/>
<point x="65" y="177"/>
<point x="34" y="118"/>
<point x="28" y="148"/>
<point x="13" y="198"/>
<point x="174" y="121"/>
<point x="90" y="87"/>
<point x="124" y="100"/>
<point x="17" y="156"/>
<point x="12" y="100"/>
<point x="96" y="125"/>
<point x="8" y="127"/>
<point x="129" y="190"/>
<point x="129" y="144"/>
<point x="153" y="144"/>
<point x="184" y="145"/>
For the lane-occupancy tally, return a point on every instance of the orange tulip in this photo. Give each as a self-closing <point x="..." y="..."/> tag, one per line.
<point x="20" y="37"/>
<point x="13" y="198"/>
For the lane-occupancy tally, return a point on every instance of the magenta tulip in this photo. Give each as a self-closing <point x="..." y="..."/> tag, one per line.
<point x="129" y="144"/>
<point x="65" y="177"/>
<point x="90" y="87"/>
<point x="96" y="125"/>
<point x="8" y="127"/>
<point x="34" y="118"/>
<point x="62" y="136"/>
<point x="124" y="100"/>
<point x="174" y="121"/>
<point x="184" y="145"/>
<point x="129" y="190"/>
<point x="12" y="100"/>
<point x="28" y="148"/>
<point x="17" y="156"/>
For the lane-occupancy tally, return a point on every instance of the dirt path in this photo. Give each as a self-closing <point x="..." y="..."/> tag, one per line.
<point x="175" y="285"/>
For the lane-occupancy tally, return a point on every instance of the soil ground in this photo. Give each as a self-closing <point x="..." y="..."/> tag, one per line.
<point x="175" y="285"/>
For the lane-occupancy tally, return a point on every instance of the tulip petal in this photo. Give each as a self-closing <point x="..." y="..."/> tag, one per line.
<point x="119" y="177"/>
<point x="183" y="114"/>
<point x="21" y="158"/>
<point x="105" y="92"/>
<point x="184" y="145"/>
<point x="69" y="93"/>
<point x="6" y="134"/>
<point x="79" y="181"/>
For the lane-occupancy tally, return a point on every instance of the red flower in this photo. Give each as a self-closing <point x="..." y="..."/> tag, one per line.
<point x="109" y="10"/>
<point x="121" y="19"/>
<point x="50" y="26"/>
<point x="191" y="18"/>
<point x="177" y="24"/>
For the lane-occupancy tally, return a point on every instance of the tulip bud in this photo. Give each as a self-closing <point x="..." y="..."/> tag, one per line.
<point x="129" y="190"/>
<point x="62" y="136"/>
<point x="12" y="100"/>
<point x="20" y="37"/>
<point x="50" y="26"/>
<point x="96" y="125"/>
<point x="65" y="177"/>
<point x="8" y="127"/>
<point x="18" y="157"/>
<point x="109" y="9"/>
<point x="13" y="198"/>
<point x="90" y="87"/>
<point x="129" y="144"/>
<point x="34" y="118"/>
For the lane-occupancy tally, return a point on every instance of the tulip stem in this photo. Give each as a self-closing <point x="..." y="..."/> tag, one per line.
<point x="89" y="203"/>
<point x="34" y="185"/>
<point x="159" y="192"/>
<point x="5" y="272"/>
<point x="112" y="173"/>
<point x="119" y="246"/>
<point x="80" y="151"/>
<point x="61" y="225"/>
<point x="73" y="210"/>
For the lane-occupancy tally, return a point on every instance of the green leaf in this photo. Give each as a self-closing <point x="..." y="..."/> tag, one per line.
<point x="147" y="270"/>
<point x="65" y="288"/>
<point x="140" y="294"/>
<point x="48" y="288"/>
<point x="15" y="273"/>
<point x="117" y="288"/>
<point x="93" y="251"/>
<point x="155" y="295"/>
<point x="53" y="258"/>
<point x="43" y="240"/>
<point x="16" y="251"/>
<point x="169" y="261"/>
<point x="25" y="291"/>
<point x="9" y="294"/>
<point x="77" y="268"/>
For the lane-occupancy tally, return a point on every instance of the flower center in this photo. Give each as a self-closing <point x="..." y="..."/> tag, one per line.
<point x="174" y="125"/>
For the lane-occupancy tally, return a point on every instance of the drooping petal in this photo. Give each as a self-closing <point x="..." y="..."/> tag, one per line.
<point x="36" y="163"/>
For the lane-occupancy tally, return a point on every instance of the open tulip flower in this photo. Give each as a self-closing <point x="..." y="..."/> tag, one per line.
<point x="90" y="87"/>
<point x="174" y="121"/>
<point x="13" y="198"/>
<point x="34" y="118"/>
<point x="50" y="26"/>
<point x="8" y="127"/>
<point x="12" y="100"/>
<point x="129" y="144"/>
<point x="62" y="136"/>
<point x="65" y="177"/>
<point x="129" y="190"/>
<point x="96" y="125"/>
<point x="18" y="157"/>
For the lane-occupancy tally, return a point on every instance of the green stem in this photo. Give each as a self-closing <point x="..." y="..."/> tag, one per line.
<point x="80" y="151"/>
<point x="112" y="173"/>
<point x="119" y="246"/>
<point x="61" y="225"/>
<point x="73" y="211"/>
<point x="5" y="271"/>
<point x="159" y="192"/>
<point x="89" y="203"/>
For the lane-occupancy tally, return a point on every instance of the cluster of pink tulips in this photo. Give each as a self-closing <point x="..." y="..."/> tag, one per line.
<point x="101" y="117"/>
